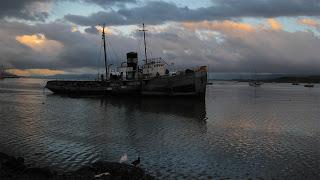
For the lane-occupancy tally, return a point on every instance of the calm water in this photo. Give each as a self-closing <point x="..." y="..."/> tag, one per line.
<point x="238" y="132"/>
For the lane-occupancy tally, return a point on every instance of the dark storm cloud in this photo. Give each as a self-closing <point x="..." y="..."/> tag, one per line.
<point x="28" y="10"/>
<point x="105" y="3"/>
<point x="22" y="9"/>
<point x="97" y="18"/>
<point x="92" y="30"/>
<point x="263" y="8"/>
<point x="157" y="12"/>
<point x="153" y="12"/>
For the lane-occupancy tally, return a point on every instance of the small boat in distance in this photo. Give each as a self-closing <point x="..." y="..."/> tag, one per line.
<point x="295" y="84"/>
<point x="152" y="78"/>
<point x="255" y="83"/>
<point x="309" y="85"/>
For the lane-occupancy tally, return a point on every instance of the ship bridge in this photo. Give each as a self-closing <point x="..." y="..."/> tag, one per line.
<point x="154" y="67"/>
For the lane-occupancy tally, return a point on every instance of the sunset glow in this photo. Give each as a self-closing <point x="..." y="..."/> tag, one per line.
<point x="274" y="24"/>
<point x="309" y="22"/>
<point x="35" y="72"/>
<point x="220" y="26"/>
<point x="33" y="41"/>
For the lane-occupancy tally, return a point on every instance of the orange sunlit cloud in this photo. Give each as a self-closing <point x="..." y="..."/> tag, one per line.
<point x="309" y="22"/>
<point x="107" y="30"/>
<point x="74" y="29"/>
<point x="38" y="42"/>
<point x="274" y="24"/>
<point x="31" y="72"/>
<point x="220" y="26"/>
<point x="31" y="40"/>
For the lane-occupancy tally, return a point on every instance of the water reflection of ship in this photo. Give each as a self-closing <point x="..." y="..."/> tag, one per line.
<point x="190" y="108"/>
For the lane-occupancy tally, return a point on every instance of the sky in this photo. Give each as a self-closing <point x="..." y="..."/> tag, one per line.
<point x="50" y="37"/>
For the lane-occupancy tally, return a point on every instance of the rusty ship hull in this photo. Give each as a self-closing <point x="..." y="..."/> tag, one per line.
<point x="192" y="84"/>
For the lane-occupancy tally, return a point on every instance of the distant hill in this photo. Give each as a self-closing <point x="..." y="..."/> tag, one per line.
<point x="306" y="79"/>
<point x="8" y="75"/>
<point x="242" y="76"/>
<point x="287" y="79"/>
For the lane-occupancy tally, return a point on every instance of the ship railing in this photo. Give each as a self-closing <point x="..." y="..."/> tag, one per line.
<point x="155" y="60"/>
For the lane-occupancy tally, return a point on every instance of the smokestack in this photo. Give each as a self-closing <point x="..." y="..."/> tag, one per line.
<point x="132" y="60"/>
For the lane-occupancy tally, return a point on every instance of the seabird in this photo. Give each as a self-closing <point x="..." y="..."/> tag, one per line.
<point x="136" y="162"/>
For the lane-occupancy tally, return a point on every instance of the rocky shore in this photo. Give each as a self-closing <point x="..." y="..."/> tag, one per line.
<point x="15" y="168"/>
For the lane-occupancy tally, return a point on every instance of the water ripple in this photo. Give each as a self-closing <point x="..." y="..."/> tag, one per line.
<point x="258" y="133"/>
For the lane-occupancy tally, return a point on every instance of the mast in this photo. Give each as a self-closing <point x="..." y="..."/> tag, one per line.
<point x="104" y="50"/>
<point x="145" y="44"/>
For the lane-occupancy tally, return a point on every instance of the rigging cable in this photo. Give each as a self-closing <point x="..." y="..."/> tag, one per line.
<point x="139" y="51"/>
<point x="99" y="58"/>
<point x="113" y="51"/>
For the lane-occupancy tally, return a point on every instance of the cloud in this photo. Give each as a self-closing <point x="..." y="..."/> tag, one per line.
<point x="26" y="9"/>
<point x="106" y="3"/>
<point x="227" y="51"/>
<point x="263" y="50"/>
<point x="274" y="24"/>
<point x="211" y="35"/>
<point x="39" y="10"/>
<point x="227" y="46"/>
<point x="39" y="43"/>
<point x="159" y="12"/>
<point x="92" y="30"/>
<point x="54" y="46"/>
<point x="74" y="29"/>
<point x="226" y="25"/>
<point x="35" y="72"/>
<point x="266" y="8"/>
<point x="309" y="22"/>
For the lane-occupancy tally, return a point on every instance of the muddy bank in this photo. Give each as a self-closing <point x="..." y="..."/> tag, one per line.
<point x="16" y="168"/>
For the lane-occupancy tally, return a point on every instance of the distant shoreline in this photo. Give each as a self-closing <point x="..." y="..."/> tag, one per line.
<point x="286" y="79"/>
<point x="282" y="79"/>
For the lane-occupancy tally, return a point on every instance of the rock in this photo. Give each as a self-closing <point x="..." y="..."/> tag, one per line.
<point x="16" y="165"/>
<point x="21" y="160"/>
<point x="84" y="172"/>
<point x="120" y="170"/>
<point x="39" y="173"/>
<point x="111" y="170"/>
<point x="12" y="168"/>
<point x="3" y="157"/>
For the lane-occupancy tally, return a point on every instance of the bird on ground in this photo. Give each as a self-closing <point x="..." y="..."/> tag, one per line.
<point x="136" y="162"/>
<point x="123" y="158"/>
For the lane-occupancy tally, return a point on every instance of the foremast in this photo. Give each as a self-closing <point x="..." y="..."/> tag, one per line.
<point x="104" y="50"/>
<point x="145" y="44"/>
